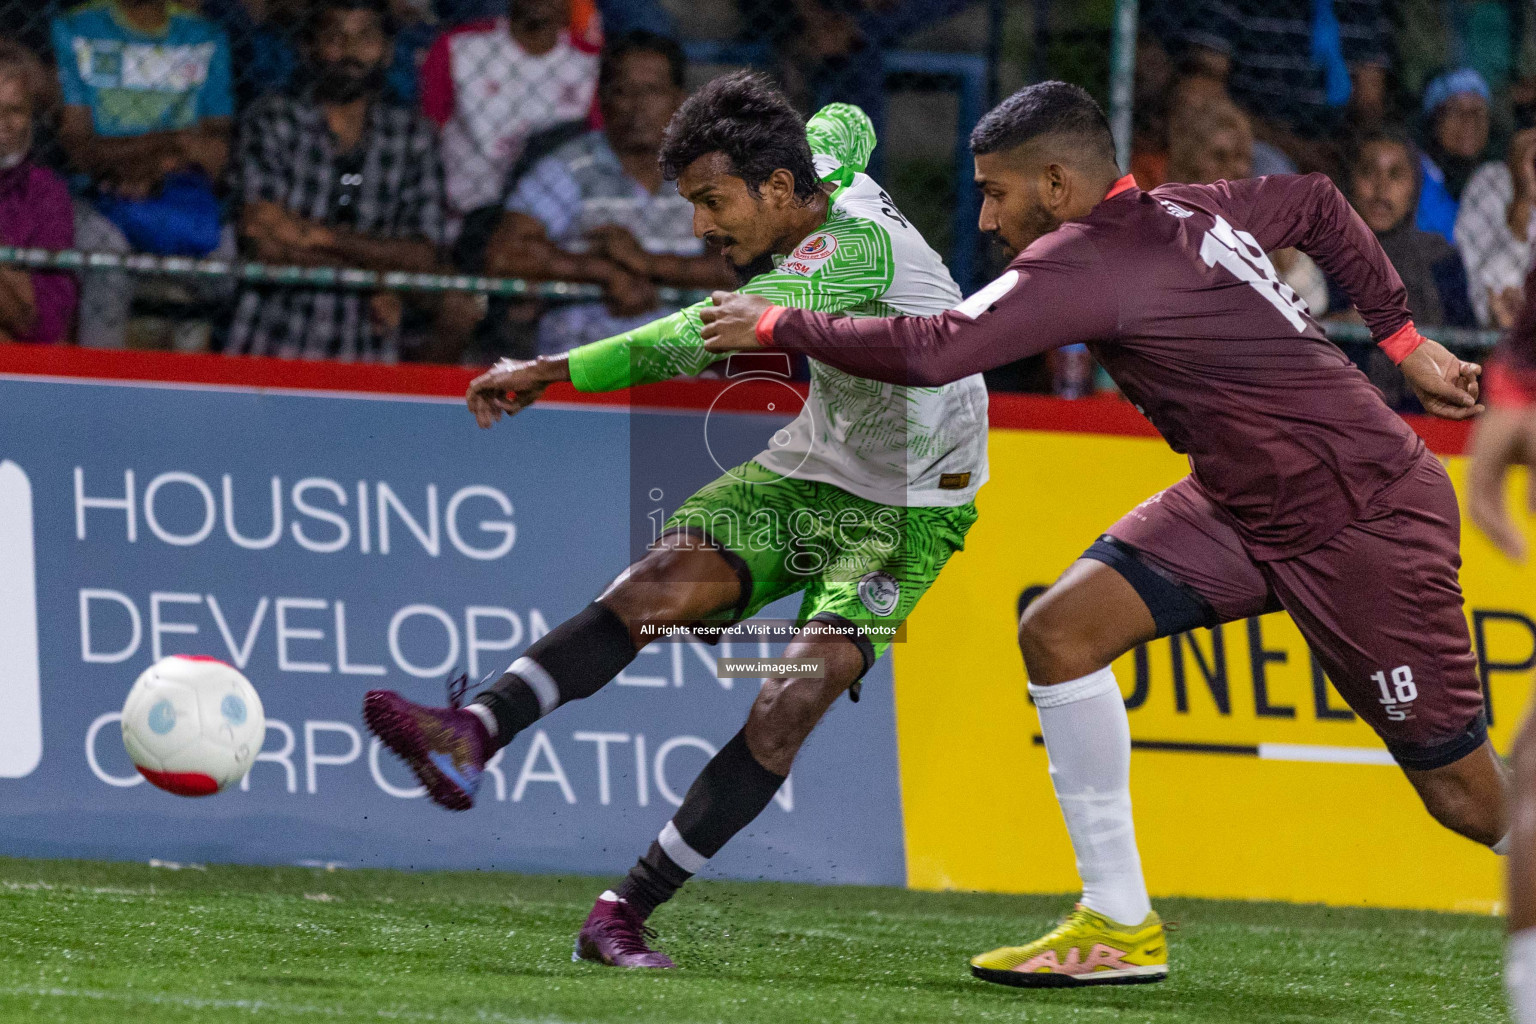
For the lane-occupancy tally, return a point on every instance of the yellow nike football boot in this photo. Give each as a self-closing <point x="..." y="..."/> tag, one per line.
<point x="1085" y="949"/>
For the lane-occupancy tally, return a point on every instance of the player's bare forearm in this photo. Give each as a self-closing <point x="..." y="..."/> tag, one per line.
<point x="511" y="386"/>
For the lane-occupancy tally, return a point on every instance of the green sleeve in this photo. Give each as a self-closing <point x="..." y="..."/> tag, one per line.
<point x="843" y="132"/>
<point x="851" y="280"/>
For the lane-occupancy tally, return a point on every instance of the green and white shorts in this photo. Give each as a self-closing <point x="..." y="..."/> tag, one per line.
<point x="857" y="561"/>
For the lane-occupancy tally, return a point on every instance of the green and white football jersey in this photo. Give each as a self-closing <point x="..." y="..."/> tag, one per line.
<point x="893" y="445"/>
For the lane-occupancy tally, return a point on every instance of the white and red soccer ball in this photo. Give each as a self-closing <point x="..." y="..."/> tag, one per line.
<point x="193" y="725"/>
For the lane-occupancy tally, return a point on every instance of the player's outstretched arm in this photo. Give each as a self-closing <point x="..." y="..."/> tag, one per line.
<point x="1311" y="214"/>
<point x="1040" y="303"/>
<point x="511" y="386"/>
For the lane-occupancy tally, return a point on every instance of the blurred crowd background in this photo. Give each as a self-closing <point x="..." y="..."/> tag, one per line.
<point x="476" y="139"/>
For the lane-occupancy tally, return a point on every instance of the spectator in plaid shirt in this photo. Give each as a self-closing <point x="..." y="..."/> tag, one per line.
<point x="1494" y="226"/>
<point x="335" y="177"/>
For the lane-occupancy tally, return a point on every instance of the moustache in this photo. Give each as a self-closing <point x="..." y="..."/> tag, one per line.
<point x="718" y="241"/>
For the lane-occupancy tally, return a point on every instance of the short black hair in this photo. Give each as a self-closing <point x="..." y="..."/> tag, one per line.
<point x="1387" y="135"/>
<point x="744" y="116"/>
<point x="319" y="9"/>
<point x="1046" y="108"/>
<point x="642" y="41"/>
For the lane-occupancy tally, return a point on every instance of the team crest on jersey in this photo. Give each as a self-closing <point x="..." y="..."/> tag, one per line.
<point x="880" y="592"/>
<point x="813" y="252"/>
<point x="815" y="249"/>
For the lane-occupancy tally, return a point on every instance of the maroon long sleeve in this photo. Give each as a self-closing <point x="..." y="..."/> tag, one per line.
<point x="1172" y="291"/>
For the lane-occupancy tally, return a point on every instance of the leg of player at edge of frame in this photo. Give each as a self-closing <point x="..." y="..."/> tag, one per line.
<point x="678" y="584"/>
<point x="1520" y="955"/>
<point x="1069" y="637"/>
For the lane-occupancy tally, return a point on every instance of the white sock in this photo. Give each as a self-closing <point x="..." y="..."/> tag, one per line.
<point x="1520" y="975"/>
<point x="1088" y="738"/>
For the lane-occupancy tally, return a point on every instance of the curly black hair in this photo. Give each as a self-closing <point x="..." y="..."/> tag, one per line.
<point x="744" y="116"/>
<point x="1046" y="108"/>
<point x="321" y="10"/>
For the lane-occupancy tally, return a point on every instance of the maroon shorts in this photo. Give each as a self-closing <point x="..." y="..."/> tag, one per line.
<point x="1379" y="603"/>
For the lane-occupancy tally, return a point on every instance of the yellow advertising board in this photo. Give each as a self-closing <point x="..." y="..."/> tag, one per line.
<point x="1250" y="777"/>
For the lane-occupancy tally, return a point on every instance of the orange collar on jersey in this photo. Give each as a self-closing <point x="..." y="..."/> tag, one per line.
<point x="1125" y="184"/>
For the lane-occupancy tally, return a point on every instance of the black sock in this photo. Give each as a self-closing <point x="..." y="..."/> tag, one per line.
<point x="574" y="660"/>
<point x="653" y="880"/>
<point x="732" y="790"/>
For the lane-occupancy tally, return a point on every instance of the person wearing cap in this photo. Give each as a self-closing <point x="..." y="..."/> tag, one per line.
<point x="1455" y="136"/>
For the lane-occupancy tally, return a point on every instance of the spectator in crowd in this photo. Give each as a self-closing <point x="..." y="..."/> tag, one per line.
<point x="834" y="50"/>
<point x="1303" y="68"/>
<point x="597" y="209"/>
<point x="1494" y="226"/>
<point x="147" y="93"/>
<point x="1383" y="183"/>
<point x="148" y="105"/>
<point x="416" y="30"/>
<point x="1211" y="139"/>
<point x="27" y="23"/>
<point x="1455" y="138"/>
<point x="34" y="208"/>
<point x="334" y="176"/>
<point x="263" y="42"/>
<point x="619" y="16"/>
<point x="491" y="85"/>
<point x="263" y="36"/>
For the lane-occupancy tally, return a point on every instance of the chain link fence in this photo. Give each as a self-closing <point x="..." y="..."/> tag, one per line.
<point x="216" y="184"/>
<point x="1422" y="111"/>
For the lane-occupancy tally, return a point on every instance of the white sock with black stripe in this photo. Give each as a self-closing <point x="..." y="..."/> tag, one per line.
<point x="1520" y="975"/>
<point x="1088" y="738"/>
<point x="732" y="789"/>
<point x="574" y="660"/>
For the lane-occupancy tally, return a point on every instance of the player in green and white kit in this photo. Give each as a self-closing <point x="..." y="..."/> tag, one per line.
<point x="857" y="503"/>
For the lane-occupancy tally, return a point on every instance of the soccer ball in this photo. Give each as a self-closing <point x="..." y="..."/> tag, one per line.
<point x="193" y="725"/>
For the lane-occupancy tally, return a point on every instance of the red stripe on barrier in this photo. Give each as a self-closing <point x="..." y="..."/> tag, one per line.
<point x="1103" y="414"/>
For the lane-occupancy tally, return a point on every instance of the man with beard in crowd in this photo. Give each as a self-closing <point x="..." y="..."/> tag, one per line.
<point x="335" y="176"/>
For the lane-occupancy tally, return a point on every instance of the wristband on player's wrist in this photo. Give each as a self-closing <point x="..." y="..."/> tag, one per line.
<point x="764" y="330"/>
<point x="1401" y="343"/>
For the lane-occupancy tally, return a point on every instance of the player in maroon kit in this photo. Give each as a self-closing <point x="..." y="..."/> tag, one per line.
<point x="1506" y="437"/>
<point x="1306" y="492"/>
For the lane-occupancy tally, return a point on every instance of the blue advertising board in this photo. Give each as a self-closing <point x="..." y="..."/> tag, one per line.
<point x="327" y="544"/>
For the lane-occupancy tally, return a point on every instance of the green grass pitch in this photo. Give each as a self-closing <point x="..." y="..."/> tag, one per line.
<point x="127" y="942"/>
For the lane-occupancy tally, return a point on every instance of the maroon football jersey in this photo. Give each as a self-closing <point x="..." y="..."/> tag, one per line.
<point x="1173" y="292"/>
